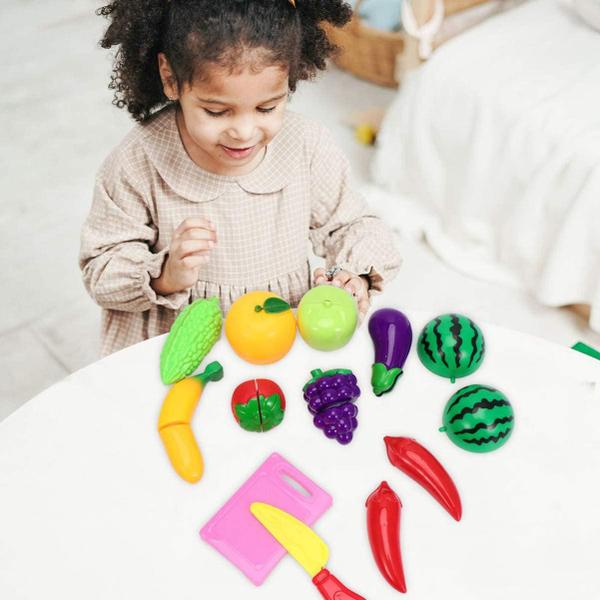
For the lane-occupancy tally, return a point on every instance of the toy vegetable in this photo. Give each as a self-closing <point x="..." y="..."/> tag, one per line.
<point x="451" y="346"/>
<point x="258" y="405"/>
<point x="478" y="418"/>
<point x="383" y="524"/>
<point x="391" y="333"/>
<point x="419" y="464"/>
<point x="192" y="336"/>
<point x="174" y="423"/>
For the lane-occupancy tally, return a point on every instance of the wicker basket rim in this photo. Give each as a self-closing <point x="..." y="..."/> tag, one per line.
<point x="356" y="21"/>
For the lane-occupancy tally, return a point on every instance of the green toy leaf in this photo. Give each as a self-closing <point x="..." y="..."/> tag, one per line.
<point x="273" y="305"/>
<point x="382" y="379"/>
<point x="249" y="415"/>
<point x="271" y="411"/>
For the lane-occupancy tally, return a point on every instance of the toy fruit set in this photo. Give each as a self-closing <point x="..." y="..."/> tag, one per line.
<point x="258" y="405"/>
<point x="261" y="329"/>
<point x="273" y="511"/>
<point x="384" y="506"/>
<point x="192" y="336"/>
<point x="477" y="418"/>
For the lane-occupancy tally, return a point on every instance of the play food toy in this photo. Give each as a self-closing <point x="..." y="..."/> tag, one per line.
<point x="260" y="327"/>
<point x="174" y="423"/>
<point x="330" y="396"/>
<point x="327" y="317"/>
<point x="451" y="346"/>
<point x="240" y="538"/>
<point x="193" y="334"/>
<point x="305" y="546"/>
<point x="419" y="464"/>
<point x="391" y="333"/>
<point x="383" y="526"/>
<point x="258" y="405"/>
<point x="365" y="134"/>
<point x="478" y="418"/>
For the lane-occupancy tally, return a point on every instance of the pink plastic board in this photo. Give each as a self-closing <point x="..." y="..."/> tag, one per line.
<point x="235" y="532"/>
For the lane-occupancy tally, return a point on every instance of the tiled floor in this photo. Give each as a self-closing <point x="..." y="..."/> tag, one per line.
<point x="58" y="124"/>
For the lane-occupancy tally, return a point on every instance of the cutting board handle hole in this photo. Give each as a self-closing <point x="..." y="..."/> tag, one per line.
<point x="295" y="485"/>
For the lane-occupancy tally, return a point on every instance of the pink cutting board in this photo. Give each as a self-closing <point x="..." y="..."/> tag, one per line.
<point x="237" y="534"/>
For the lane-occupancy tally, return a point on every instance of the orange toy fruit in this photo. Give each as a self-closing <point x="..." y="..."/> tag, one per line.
<point x="260" y="327"/>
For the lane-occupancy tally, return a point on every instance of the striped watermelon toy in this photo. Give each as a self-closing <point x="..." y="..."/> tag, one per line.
<point x="478" y="418"/>
<point x="451" y="346"/>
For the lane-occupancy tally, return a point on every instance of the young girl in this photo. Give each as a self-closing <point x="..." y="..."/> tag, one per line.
<point x="219" y="189"/>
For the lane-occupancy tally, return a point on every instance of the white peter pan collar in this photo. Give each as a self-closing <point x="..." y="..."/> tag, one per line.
<point x="163" y="146"/>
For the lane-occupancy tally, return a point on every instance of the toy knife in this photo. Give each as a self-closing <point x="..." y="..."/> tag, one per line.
<point x="305" y="546"/>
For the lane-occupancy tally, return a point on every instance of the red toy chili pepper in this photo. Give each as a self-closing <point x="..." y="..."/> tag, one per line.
<point x="419" y="464"/>
<point x="383" y="524"/>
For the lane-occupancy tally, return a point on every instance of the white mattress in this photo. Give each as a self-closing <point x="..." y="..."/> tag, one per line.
<point x="496" y="141"/>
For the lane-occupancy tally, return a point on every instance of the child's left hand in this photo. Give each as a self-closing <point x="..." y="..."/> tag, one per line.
<point x="354" y="284"/>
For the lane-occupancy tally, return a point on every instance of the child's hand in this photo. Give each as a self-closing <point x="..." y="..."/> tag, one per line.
<point x="356" y="285"/>
<point x="190" y="248"/>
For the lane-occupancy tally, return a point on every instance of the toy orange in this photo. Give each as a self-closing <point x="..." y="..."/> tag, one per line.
<point x="260" y="327"/>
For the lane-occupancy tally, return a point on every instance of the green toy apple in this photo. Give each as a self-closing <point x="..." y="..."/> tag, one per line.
<point x="327" y="317"/>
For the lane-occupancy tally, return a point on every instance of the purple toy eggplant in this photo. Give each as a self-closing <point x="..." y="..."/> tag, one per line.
<point x="391" y="333"/>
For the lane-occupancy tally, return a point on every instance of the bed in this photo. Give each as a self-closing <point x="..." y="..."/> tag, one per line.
<point x="491" y="150"/>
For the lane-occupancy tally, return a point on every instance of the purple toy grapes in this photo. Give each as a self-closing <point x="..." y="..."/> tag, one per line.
<point x="330" y="396"/>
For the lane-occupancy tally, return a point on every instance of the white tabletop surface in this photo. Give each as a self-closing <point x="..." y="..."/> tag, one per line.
<point x="91" y="508"/>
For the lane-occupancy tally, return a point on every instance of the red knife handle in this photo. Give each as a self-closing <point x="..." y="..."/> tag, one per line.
<point x="333" y="589"/>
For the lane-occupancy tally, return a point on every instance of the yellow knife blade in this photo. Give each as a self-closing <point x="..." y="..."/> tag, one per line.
<point x="297" y="538"/>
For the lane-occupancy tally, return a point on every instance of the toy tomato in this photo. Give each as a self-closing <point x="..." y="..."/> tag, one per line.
<point x="258" y="405"/>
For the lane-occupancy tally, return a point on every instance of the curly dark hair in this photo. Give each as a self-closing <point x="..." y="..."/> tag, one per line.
<point x="196" y="33"/>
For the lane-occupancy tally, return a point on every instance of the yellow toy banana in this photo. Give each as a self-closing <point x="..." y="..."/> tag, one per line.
<point x="174" y="423"/>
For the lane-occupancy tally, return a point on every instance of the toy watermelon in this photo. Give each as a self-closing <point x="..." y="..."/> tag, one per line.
<point x="478" y="418"/>
<point x="193" y="334"/>
<point x="451" y="346"/>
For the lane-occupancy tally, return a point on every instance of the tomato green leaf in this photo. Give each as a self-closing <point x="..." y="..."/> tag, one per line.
<point x="271" y="411"/>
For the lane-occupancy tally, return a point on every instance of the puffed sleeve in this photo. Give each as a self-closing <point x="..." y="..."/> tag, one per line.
<point x="343" y="229"/>
<point x="117" y="239"/>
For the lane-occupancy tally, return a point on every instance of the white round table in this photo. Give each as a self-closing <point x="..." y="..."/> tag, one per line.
<point x="91" y="508"/>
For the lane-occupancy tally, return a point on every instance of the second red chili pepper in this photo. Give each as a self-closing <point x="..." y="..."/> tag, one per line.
<point x="383" y="525"/>
<point x="419" y="464"/>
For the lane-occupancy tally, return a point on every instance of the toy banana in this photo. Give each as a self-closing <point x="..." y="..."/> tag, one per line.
<point x="174" y="423"/>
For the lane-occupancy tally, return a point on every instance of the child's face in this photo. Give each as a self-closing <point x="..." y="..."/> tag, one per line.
<point x="227" y="120"/>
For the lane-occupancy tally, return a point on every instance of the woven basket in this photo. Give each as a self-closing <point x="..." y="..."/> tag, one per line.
<point x="372" y="54"/>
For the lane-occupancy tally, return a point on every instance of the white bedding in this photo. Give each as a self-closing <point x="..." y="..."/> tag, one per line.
<point x="497" y="141"/>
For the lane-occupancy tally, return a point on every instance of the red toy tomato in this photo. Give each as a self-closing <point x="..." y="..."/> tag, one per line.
<point x="258" y="405"/>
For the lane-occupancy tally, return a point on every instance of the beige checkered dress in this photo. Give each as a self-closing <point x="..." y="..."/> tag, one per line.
<point x="299" y="193"/>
